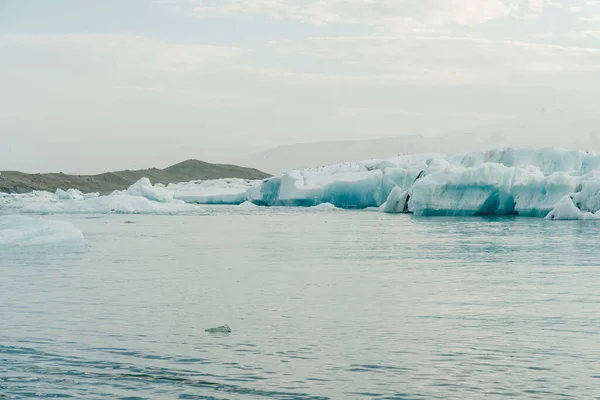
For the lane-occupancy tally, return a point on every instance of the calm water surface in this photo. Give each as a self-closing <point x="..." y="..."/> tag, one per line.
<point x="323" y="305"/>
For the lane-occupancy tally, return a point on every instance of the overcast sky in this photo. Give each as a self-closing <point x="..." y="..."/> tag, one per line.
<point x="92" y="85"/>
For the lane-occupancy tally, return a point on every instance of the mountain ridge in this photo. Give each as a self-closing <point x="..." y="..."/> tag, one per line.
<point x="188" y="170"/>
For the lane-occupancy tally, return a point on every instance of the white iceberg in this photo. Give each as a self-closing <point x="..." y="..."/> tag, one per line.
<point x="36" y="196"/>
<point x="529" y="182"/>
<point x="513" y="181"/>
<point x="73" y="194"/>
<point x="248" y="205"/>
<point x="19" y="230"/>
<point x="17" y="201"/>
<point x="566" y="210"/>
<point x="140" y="198"/>
<point x="216" y="191"/>
<point x="144" y="188"/>
<point x="324" y="207"/>
<point x="62" y="195"/>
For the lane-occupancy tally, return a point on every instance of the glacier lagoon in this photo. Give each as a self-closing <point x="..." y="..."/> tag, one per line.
<point x="322" y="304"/>
<point x="546" y="183"/>
<point x="354" y="294"/>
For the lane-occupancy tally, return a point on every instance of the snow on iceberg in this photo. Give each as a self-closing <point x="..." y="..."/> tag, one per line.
<point x="217" y="191"/>
<point x="512" y="181"/>
<point x="19" y="230"/>
<point x="140" y="198"/>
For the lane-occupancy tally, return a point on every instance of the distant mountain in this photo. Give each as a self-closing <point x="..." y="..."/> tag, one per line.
<point x="19" y="182"/>
<point x="569" y="130"/>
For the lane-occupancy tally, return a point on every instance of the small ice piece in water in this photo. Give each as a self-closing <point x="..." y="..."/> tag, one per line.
<point x="220" y="329"/>
<point x="18" y="230"/>
<point x="324" y="207"/>
<point x="248" y="205"/>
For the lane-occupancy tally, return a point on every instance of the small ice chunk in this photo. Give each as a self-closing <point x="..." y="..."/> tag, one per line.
<point x="19" y="230"/>
<point x="324" y="207"/>
<point x="220" y="329"/>
<point x="248" y="205"/>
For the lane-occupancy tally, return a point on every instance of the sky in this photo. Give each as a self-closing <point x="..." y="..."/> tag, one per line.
<point x="88" y="86"/>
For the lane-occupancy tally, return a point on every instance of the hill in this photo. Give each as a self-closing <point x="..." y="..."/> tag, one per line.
<point x="19" y="182"/>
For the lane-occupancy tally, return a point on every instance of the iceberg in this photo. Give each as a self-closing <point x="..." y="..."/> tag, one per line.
<point x="529" y="182"/>
<point x="62" y="195"/>
<point x="19" y="230"/>
<point x="139" y="198"/>
<point x="216" y="191"/>
<point x="14" y="200"/>
<point x="73" y="194"/>
<point x="143" y="188"/>
<point x="114" y="203"/>
<point x="324" y="207"/>
<point x="248" y="206"/>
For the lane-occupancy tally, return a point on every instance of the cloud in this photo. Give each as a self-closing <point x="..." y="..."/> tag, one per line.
<point x="414" y="13"/>
<point x="58" y="79"/>
<point x="125" y="50"/>
<point x="453" y="60"/>
<point x="101" y="92"/>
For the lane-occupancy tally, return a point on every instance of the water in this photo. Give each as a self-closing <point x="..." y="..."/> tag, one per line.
<point x="340" y="305"/>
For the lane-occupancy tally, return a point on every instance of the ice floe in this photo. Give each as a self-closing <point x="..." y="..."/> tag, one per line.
<point x="20" y="230"/>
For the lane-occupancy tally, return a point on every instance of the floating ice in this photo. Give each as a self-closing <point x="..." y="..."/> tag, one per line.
<point x="140" y="198"/>
<point x="144" y="188"/>
<point x="73" y="194"/>
<point x="122" y="204"/>
<point x="351" y="185"/>
<point x="566" y="210"/>
<point x="220" y="329"/>
<point x="19" y="230"/>
<point x="248" y="205"/>
<point x="15" y="201"/>
<point x="18" y="200"/>
<point x="217" y="191"/>
<point x="324" y="207"/>
<point x="513" y="181"/>
<point x="62" y="195"/>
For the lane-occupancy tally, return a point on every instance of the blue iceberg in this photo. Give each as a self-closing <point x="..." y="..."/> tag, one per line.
<point x="512" y="181"/>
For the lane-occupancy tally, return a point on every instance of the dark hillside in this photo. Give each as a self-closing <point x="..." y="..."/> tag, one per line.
<point x="19" y="182"/>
